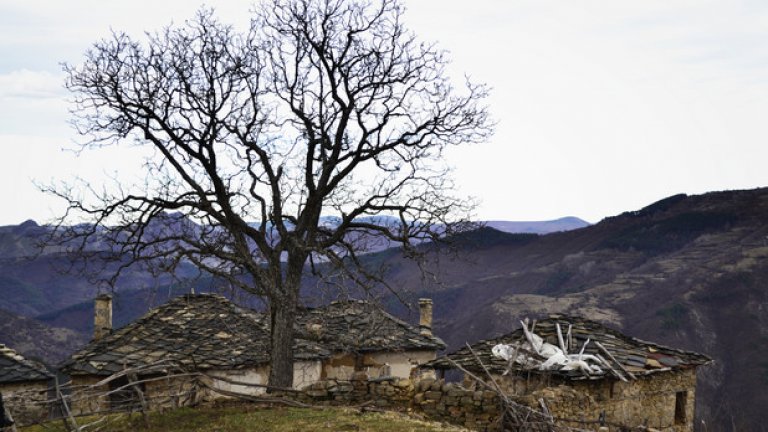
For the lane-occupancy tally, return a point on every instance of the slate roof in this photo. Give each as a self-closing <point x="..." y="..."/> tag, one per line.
<point x="636" y="356"/>
<point x="15" y="368"/>
<point x="361" y="326"/>
<point x="207" y="331"/>
<point x="203" y="331"/>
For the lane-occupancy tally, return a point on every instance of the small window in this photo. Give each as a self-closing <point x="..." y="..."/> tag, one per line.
<point x="681" y="401"/>
<point x="124" y="396"/>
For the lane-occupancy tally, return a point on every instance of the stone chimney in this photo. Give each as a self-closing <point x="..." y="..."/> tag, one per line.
<point x="425" y="316"/>
<point x="102" y="317"/>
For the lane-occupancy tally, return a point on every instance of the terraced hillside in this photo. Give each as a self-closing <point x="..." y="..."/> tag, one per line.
<point x="687" y="271"/>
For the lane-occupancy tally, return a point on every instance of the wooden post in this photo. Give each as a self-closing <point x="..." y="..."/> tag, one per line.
<point x="8" y="419"/>
<point x="69" y="421"/>
<point x="545" y="410"/>
<point x="132" y="378"/>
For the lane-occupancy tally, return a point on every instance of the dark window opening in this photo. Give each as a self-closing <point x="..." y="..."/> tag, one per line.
<point x="681" y="400"/>
<point x="124" y="396"/>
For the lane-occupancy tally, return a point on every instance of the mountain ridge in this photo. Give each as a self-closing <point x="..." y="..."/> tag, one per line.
<point x="566" y="223"/>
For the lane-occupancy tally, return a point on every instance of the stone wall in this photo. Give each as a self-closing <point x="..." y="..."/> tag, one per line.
<point x="389" y="392"/>
<point x="173" y="392"/>
<point x="434" y="398"/>
<point x="87" y="399"/>
<point x="26" y="401"/>
<point x="474" y="409"/>
<point x="663" y="401"/>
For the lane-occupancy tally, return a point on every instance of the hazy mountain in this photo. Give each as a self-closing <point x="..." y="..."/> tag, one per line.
<point x="20" y="240"/>
<point x="36" y="286"/>
<point x="128" y="305"/>
<point x="539" y="227"/>
<point x="37" y="340"/>
<point x="35" y="283"/>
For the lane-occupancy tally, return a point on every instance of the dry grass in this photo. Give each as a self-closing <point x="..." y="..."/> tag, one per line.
<point x="242" y="418"/>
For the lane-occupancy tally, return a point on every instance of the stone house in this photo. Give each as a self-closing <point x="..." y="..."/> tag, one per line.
<point x="24" y="386"/>
<point x="208" y="333"/>
<point x="361" y="337"/>
<point x="638" y="383"/>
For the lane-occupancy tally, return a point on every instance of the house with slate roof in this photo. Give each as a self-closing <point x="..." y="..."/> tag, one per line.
<point x="210" y="334"/>
<point x="24" y="385"/>
<point x="639" y="383"/>
<point x="362" y="337"/>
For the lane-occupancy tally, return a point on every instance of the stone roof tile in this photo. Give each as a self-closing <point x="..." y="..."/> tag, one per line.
<point x="206" y="330"/>
<point x="187" y="331"/>
<point x="356" y="325"/>
<point x="15" y="368"/>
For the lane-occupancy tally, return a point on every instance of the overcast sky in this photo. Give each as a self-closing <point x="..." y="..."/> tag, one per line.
<point x="602" y="106"/>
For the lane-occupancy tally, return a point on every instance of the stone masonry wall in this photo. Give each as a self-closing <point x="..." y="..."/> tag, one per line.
<point x="389" y="392"/>
<point x="26" y="401"/>
<point x="663" y="402"/>
<point x="434" y="398"/>
<point x="87" y="399"/>
<point x="474" y="409"/>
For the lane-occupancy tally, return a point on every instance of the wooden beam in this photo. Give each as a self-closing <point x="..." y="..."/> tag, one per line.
<point x="560" y="338"/>
<point x="608" y="365"/>
<point x="621" y="366"/>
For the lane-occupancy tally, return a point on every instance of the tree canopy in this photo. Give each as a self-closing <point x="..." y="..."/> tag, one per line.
<point x="321" y="108"/>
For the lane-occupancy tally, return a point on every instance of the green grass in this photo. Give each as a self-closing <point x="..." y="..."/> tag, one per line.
<point x="247" y="417"/>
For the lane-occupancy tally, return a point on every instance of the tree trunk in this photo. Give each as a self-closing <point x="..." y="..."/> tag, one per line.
<point x="283" y="317"/>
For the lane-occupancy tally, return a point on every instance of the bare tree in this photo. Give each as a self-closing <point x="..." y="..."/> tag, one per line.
<point x="323" y="107"/>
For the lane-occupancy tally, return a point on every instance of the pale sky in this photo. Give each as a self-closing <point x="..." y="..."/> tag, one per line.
<point x="602" y="106"/>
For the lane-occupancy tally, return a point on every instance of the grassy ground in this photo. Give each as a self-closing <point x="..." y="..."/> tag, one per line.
<point x="242" y="418"/>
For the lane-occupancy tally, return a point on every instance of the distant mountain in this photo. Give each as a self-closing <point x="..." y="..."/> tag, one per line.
<point x="37" y="340"/>
<point x="128" y="305"/>
<point x="36" y="286"/>
<point x="20" y="240"/>
<point x="539" y="227"/>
